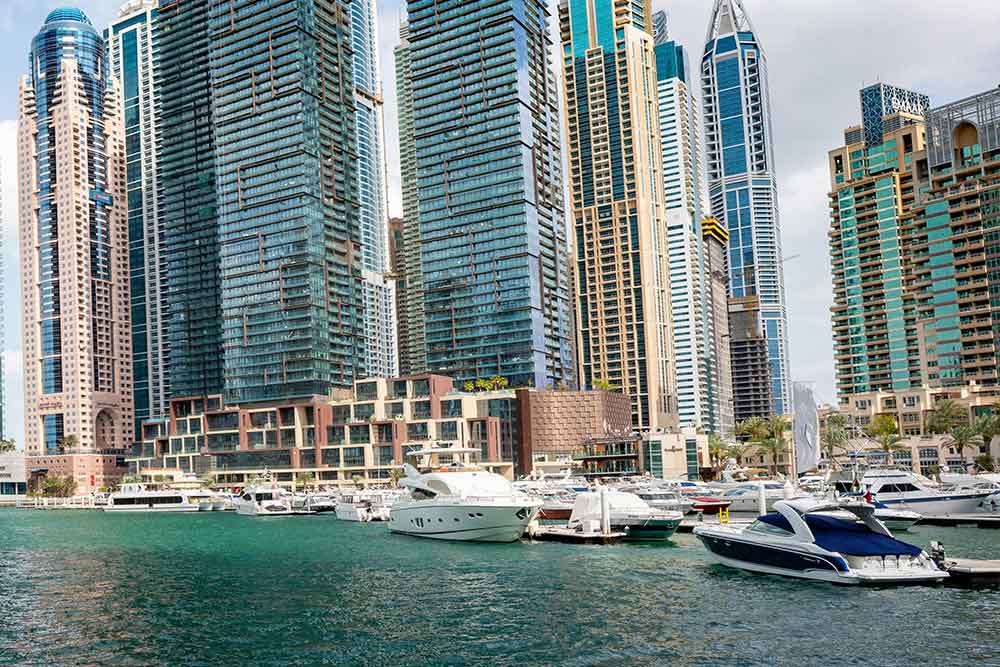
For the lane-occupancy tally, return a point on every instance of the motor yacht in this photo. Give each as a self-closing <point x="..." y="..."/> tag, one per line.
<point x="627" y="513"/>
<point x="321" y="503"/>
<point x="137" y="498"/>
<point x="746" y="497"/>
<point x="904" y="489"/>
<point x="663" y="499"/>
<point x="264" y="500"/>
<point x="557" y="505"/>
<point x="365" y="506"/>
<point x="799" y="539"/>
<point x="458" y="500"/>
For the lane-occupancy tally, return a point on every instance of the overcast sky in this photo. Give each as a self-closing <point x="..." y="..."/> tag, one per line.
<point x="820" y="52"/>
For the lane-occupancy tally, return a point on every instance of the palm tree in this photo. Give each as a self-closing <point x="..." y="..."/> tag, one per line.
<point x="716" y="449"/>
<point x="964" y="437"/>
<point x="947" y="415"/>
<point x="737" y="450"/>
<point x="988" y="426"/>
<point x="772" y="447"/>
<point x="6" y="445"/>
<point x="833" y="440"/>
<point x="754" y="429"/>
<point x="778" y="425"/>
<point x="889" y="443"/>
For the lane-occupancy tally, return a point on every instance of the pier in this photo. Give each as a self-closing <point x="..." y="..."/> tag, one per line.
<point x="983" y="520"/>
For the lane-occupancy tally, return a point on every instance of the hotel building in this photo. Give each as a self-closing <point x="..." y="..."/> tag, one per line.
<point x="74" y="247"/>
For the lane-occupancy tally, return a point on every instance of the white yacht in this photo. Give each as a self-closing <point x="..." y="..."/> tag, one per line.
<point x="663" y="499"/>
<point x="365" y="506"/>
<point x="627" y="513"/>
<point x="264" y="500"/>
<point x="800" y="540"/>
<point x="746" y="497"/>
<point x="137" y="498"/>
<point x="459" y="501"/>
<point x="904" y="489"/>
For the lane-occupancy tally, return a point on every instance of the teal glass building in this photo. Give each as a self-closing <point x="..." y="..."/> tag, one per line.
<point x="742" y="186"/>
<point x="131" y="42"/>
<point x="494" y="256"/>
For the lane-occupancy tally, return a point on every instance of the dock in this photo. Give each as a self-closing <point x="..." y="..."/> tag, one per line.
<point x="978" y="520"/>
<point x="573" y="536"/>
<point x="970" y="572"/>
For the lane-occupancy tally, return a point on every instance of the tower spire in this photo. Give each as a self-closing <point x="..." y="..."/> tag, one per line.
<point x="728" y="16"/>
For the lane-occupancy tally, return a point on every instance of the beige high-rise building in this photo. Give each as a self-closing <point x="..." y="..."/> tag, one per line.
<point x="74" y="247"/>
<point x="624" y="330"/>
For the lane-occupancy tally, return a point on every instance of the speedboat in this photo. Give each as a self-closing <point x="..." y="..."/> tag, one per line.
<point x="801" y="540"/>
<point x="320" y="503"/>
<point x="904" y="489"/>
<point x="627" y="513"/>
<point x="459" y="500"/>
<point x="266" y="500"/>
<point x="137" y="498"/>
<point x="746" y="497"/>
<point x="557" y="504"/>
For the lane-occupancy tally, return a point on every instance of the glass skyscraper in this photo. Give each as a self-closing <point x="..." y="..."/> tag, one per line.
<point x="378" y="289"/>
<point x="131" y="43"/>
<point x="286" y="171"/>
<point x="618" y="205"/>
<point x="497" y="291"/>
<point x="74" y="251"/>
<point x="742" y="186"/>
<point x="188" y="198"/>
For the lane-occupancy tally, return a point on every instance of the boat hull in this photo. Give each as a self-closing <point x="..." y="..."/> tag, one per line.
<point x="146" y="509"/>
<point x="789" y="562"/>
<point x="466" y="523"/>
<point x="347" y="512"/>
<point x="266" y="510"/>
<point x="638" y="530"/>
<point x="936" y="505"/>
<point x="555" y="513"/>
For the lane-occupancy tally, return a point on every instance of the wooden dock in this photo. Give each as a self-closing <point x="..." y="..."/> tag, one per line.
<point x="983" y="520"/>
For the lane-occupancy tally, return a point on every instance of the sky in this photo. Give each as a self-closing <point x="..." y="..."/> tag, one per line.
<point x="819" y="52"/>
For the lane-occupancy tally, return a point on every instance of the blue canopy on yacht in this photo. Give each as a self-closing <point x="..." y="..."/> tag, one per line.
<point x="846" y="537"/>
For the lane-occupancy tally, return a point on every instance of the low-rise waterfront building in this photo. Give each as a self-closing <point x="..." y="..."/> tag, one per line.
<point x="13" y="476"/>
<point x="678" y="454"/>
<point x="93" y="471"/>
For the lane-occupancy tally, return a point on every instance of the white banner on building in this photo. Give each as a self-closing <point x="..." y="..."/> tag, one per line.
<point x="805" y="427"/>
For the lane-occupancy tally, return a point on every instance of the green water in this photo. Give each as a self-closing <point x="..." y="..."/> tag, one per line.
<point x="87" y="588"/>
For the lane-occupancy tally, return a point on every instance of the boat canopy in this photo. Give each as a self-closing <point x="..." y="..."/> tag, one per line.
<point x="846" y="537"/>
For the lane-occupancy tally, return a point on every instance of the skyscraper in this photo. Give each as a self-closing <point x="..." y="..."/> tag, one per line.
<point x="743" y="192"/>
<point x="188" y="206"/>
<point x="497" y="292"/>
<point x="684" y="187"/>
<point x="74" y="243"/>
<point x="409" y="282"/>
<point x="914" y="252"/>
<point x="720" y="416"/>
<point x="378" y="289"/>
<point x="131" y="43"/>
<point x="618" y="205"/>
<point x="286" y="170"/>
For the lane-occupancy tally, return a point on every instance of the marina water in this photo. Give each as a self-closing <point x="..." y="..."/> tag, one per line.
<point x="90" y="588"/>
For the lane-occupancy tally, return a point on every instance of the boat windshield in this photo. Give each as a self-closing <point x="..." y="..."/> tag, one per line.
<point x="769" y="529"/>
<point x="845" y="536"/>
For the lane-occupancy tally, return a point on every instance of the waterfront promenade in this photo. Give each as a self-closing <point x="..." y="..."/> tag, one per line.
<point x="88" y="588"/>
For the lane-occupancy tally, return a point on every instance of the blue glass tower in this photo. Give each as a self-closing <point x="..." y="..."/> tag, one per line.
<point x="497" y="291"/>
<point x="742" y="186"/>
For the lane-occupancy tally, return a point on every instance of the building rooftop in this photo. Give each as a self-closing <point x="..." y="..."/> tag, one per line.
<point x="67" y="14"/>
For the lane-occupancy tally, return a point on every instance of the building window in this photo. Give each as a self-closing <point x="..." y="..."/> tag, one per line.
<point x="360" y="435"/>
<point x="421" y="409"/>
<point x="340" y="414"/>
<point x="451" y="408"/>
<point x="364" y="411"/>
<point x="417" y="431"/>
<point x="448" y="430"/>
<point x="366" y="391"/>
<point x="354" y="457"/>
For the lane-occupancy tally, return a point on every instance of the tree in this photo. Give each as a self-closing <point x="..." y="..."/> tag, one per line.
<point x="498" y="382"/>
<point x="717" y="449"/>
<point x="889" y="443"/>
<point x="947" y="415"/>
<point x="305" y="478"/>
<point x="988" y="426"/>
<point x="778" y="425"/>
<point x="68" y="443"/>
<point x="7" y="445"/>
<point x="737" y="450"/>
<point x="882" y="425"/>
<point x="772" y="447"/>
<point x="58" y="487"/>
<point x="754" y="429"/>
<point x="603" y="385"/>
<point x="964" y="437"/>
<point x="469" y="385"/>
<point x="482" y="384"/>
<point x="833" y="441"/>
<point x="986" y="463"/>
